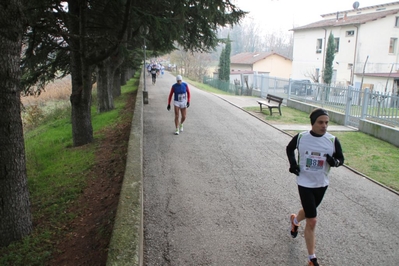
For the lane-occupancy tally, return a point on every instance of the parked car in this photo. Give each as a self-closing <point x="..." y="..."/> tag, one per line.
<point x="300" y="87"/>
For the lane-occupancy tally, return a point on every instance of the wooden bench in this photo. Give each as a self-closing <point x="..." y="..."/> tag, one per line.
<point x="271" y="102"/>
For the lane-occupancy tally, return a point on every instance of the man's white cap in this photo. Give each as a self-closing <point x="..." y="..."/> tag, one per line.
<point x="178" y="77"/>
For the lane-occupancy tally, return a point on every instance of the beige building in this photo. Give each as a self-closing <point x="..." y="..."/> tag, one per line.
<point x="270" y="63"/>
<point x="367" y="47"/>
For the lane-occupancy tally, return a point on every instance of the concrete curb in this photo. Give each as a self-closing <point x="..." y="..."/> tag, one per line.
<point x="126" y="246"/>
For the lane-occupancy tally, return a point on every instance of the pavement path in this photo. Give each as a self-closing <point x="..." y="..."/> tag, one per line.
<point x="220" y="194"/>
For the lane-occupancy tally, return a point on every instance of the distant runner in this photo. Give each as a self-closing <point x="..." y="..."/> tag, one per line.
<point x="181" y="102"/>
<point x="154" y="72"/>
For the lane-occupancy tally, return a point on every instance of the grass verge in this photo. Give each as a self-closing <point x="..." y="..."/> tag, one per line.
<point x="57" y="175"/>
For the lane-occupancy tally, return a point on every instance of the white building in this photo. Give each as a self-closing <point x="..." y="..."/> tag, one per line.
<point x="367" y="47"/>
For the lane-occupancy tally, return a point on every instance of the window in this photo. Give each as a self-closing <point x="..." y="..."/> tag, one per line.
<point x="336" y="42"/>
<point x="334" y="77"/>
<point x="350" y="33"/>
<point x="392" y="45"/>
<point x="319" y="44"/>
<point x="396" y="21"/>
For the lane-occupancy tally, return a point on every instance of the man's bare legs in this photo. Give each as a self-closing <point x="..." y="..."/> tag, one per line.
<point x="309" y="231"/>
<point x="183" y="112"/>
<point x="177" y="116"/>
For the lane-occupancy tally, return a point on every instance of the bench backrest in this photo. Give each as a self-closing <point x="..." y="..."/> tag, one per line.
<point x="274" y="98"/>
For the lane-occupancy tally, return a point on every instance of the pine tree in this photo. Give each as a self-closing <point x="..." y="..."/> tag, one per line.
<point x="328" y="67"/>
<point x="224" y="62"/>
<point x="15" y="214"/>
<point x="227" y="54"/>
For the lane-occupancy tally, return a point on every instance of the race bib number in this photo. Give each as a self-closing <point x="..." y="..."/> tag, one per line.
<point x="314" y="161"/>
<point x="181" y="97"/>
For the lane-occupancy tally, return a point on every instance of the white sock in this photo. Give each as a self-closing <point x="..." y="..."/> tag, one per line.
<point x="295" y="221"/>
<point x="313" y="256"/>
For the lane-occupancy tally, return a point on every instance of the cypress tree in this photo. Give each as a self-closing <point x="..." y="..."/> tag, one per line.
<point x="224" y="61"/>
<point x="222" y="64"/>
<point x="227" y="53"/>
<point x="328" y="67"/>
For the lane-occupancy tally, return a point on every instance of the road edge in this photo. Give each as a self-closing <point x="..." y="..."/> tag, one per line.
<point x="126" y="245"/>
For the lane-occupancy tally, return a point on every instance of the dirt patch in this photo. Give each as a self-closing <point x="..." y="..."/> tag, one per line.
<point x="87" y="237"/>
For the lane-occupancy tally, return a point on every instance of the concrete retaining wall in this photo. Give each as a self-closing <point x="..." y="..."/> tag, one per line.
<point x="126" y="246"/>
<point x="385" y="133"/>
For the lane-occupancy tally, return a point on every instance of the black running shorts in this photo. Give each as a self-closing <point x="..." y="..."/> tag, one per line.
<point x="310" y="199"/>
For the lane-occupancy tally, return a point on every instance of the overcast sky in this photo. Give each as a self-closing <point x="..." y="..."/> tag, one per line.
<point x="282" y="15"/>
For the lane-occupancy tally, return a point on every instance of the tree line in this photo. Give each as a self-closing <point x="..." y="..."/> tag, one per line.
<point x="250" y="36"/>
<point x="246" y="36"/>
<point x="92" y="41"/>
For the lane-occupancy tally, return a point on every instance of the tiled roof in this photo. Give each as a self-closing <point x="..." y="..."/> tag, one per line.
<point x="349" y="20"/>
<point x="251" y="58"/>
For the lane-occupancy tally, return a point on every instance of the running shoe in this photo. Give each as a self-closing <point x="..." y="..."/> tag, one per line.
<point x="294" y="227"/>
<point x="313" y="262"/>
<point x="177" y="131"/>
<point x="181" y="127"/>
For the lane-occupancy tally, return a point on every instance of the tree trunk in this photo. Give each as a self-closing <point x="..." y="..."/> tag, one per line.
<point x="82" y="129"/>
<point x="105" y="100"/>
<point x="128" y="74"/>
<point x="15" y="216"/>
<point x="116" y="63"/>
<point x="117" y="83"/>
<point x="108" y="82"/>
<point x="124" y="78"/>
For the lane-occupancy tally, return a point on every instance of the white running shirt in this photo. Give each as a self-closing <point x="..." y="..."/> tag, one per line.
<point x="312" y="162"/>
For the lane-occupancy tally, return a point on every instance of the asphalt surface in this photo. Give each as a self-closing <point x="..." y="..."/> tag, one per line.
<point x="220" y="194"/>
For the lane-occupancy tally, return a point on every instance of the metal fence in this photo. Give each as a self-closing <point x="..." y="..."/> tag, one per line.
<point x="355" y="104"/>
<point x="225" y="86"/>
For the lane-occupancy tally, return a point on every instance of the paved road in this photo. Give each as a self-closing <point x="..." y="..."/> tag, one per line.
<point x="220" y="194"/>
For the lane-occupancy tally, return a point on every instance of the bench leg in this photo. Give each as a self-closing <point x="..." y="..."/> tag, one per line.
<point x="260" y="105"/>
<point x="270" y="110"/>
<point x="279" y="110"/>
